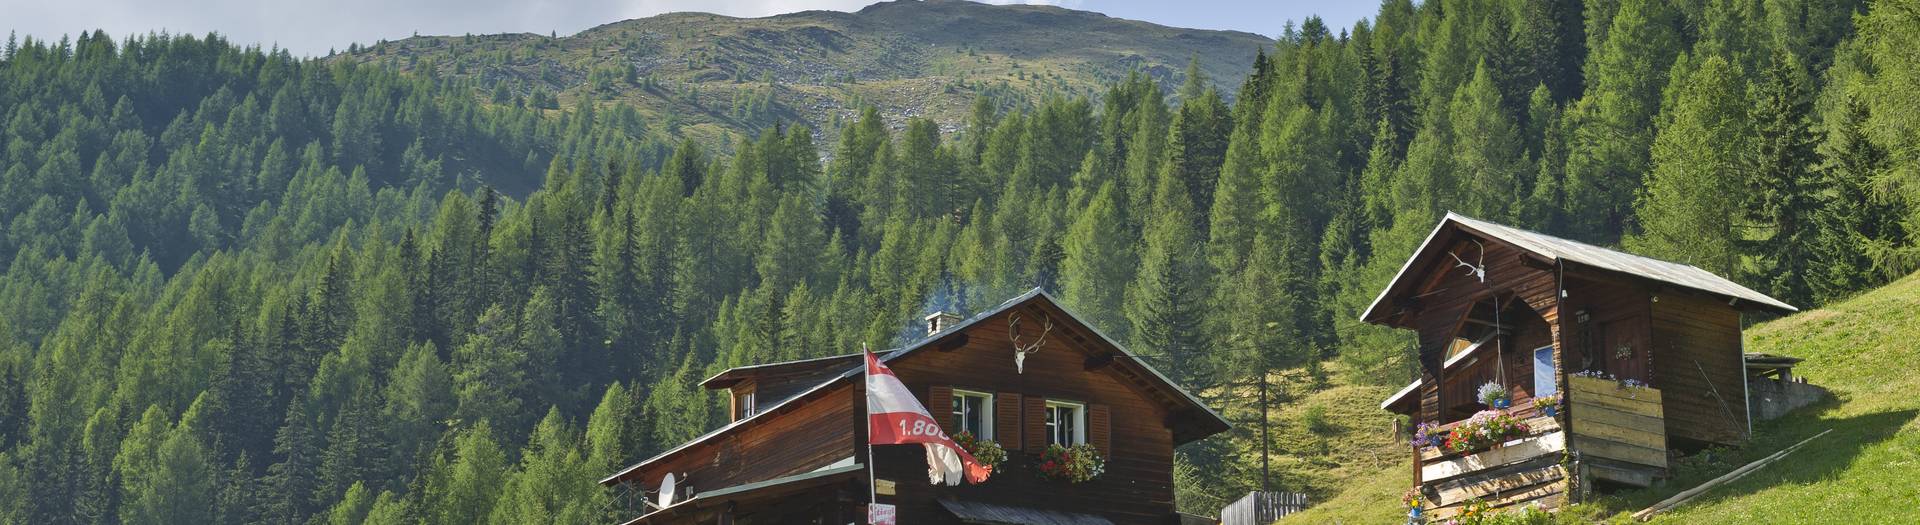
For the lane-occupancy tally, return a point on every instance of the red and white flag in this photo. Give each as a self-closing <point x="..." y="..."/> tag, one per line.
<point x="894" y="417"/>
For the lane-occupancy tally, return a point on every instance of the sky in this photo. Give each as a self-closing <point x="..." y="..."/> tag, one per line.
<point x="313" y="27"/>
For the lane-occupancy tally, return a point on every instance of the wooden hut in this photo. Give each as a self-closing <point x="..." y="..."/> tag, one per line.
<point x="1645" y="356"/>
<point x="794" y="450"/>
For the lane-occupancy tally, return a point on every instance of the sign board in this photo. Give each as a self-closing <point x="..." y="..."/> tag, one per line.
<point x="880" y="514"/>
<point x="884" y="487"/>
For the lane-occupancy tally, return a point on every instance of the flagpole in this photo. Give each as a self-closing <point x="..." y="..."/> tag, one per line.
<point x="873" y="476"/>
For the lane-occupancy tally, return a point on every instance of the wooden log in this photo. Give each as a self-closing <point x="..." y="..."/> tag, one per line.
<point x="1683" y="497"/>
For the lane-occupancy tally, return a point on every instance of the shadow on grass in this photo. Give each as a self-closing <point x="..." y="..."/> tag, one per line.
<point x="1822" y="459"/>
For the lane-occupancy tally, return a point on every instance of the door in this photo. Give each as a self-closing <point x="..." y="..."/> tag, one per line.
<point x="1623" y="346"/>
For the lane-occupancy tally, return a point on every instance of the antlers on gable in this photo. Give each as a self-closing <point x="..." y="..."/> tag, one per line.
<point x="1021" y="349"/>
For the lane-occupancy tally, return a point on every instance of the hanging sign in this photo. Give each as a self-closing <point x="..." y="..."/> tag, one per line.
<point x="880" y="514"/>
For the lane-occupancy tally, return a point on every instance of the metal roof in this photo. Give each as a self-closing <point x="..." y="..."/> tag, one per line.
<point x="1551" y="247"/>
<point x="991" y="514"/>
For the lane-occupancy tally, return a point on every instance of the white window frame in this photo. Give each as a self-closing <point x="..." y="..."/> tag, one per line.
<point x="986" y="416"/>
<point x="747" y="408"/>
<point x="1542" y="389"/>
<point x="1079" y="422"/>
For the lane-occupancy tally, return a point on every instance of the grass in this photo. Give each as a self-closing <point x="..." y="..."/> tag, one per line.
<point x="1865" y="349"/>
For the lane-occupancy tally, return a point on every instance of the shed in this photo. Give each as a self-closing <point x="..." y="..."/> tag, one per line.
<point x="1636" y="356"/>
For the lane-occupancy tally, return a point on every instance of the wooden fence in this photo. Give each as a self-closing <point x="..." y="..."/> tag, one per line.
<point x="1262" y="508"/>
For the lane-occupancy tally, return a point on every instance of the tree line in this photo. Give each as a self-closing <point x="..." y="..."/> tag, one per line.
<point x="243" y="287"/>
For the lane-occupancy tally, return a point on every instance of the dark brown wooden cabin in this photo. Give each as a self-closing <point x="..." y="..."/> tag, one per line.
<point x="795" y="451"/>
<point x="1540" y="314"/>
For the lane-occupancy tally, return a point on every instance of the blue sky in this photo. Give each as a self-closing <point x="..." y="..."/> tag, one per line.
<point x="312" y="27"/>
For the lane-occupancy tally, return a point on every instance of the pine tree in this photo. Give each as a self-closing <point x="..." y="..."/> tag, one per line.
<point x="465" y="485"/>
<point x="1099" y="253"/>
<point x="1781" y="187"/>
<point x="1614" y="120"/>
<point x="1165" y="302"/>
<point x="293" y="479"/>
<point x="1691" y="200"/>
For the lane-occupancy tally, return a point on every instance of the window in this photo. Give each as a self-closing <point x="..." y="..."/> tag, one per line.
<point x="746" y="405"/>
<point x="973" y="413"/>
<point x="1543" y="371"/>
<point x="1066" y="423"/>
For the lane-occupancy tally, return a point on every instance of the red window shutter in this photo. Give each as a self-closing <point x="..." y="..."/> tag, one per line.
<point x="1036" y="424"/>
<point x="940" y="403"/>
<point x="1006" y="420"/>
<point x="1100" y="429"/>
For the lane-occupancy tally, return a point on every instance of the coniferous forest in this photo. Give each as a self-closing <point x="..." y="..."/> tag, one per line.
<point x="240" y="287"/>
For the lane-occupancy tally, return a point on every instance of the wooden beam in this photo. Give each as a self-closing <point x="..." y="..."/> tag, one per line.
<point x="1741" y="472"/>
<point x="953" y="343"/>
<point x="1099" y="361"/>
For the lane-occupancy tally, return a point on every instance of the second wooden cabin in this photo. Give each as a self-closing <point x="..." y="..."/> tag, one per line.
<point x="1645" y="356"/>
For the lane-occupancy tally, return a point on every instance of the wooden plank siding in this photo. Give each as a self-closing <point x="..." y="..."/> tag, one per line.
<point x="1699" y="364"/>
<point x="790" y="444"/>
<point x="1449" y="294"/>
<point x="1138" y="484"/>
<point x="1618" y="423"/>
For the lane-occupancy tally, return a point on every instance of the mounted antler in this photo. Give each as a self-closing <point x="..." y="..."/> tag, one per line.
<point x="1020" y="350"/>
<point x="1477" y="271"/>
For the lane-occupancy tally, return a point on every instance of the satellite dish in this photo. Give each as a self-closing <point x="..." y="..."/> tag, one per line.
<point x="666" y="490"/>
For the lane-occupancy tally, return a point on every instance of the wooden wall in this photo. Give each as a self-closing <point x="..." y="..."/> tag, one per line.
<point x="1447" y="293"/>
<point x="1618" y="316"/>
<point x="1697" y="365"/>
<point x="1138" y="484"/>
<point x="807" y="435"/>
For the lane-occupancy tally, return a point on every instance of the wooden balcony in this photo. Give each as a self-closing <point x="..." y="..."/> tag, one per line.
<point x="1520" y="471"/>
<point x="1617" y="432"/>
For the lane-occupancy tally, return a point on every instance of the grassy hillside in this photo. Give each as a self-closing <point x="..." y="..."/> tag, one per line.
<point x="704" y="73"/>
<point x="1866" y="471"/>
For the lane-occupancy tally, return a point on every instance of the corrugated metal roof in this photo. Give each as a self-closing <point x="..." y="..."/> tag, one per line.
<point x="1551" y="247"/>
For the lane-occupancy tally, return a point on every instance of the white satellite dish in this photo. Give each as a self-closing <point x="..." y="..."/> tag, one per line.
<point x="666" y="490"/>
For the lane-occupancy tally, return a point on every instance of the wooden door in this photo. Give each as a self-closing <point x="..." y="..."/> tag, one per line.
<point x="1624" y="346"/>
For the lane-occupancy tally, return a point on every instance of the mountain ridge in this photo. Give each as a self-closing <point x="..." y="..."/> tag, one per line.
<point x="706" y="75"/>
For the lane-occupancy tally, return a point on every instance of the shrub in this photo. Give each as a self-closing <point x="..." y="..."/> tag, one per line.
<point x="1315" y="420"/>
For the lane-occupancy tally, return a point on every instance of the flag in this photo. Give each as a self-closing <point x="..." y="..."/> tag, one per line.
<point x="894" y="417"/>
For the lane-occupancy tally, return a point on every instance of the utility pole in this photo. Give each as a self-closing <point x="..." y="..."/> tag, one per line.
<point x="1264" y="456"/>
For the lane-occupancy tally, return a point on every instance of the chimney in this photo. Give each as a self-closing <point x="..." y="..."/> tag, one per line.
<point x="941" y="321"/>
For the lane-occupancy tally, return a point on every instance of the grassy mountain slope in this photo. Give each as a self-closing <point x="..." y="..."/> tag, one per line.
<point x="703" y="74"/>
<point x="1864" y="472"/>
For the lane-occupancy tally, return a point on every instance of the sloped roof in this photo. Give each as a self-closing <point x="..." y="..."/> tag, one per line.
<point x="1548" y="246"/>
<point x="1217" y="423"/>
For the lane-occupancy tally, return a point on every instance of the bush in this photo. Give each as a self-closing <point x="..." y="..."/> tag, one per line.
<point x="1315" y="420"/>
